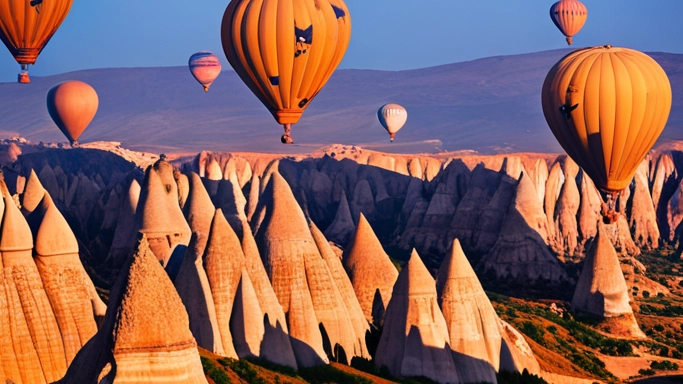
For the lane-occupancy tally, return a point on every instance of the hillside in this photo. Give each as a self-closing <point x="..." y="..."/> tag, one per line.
<point x="488" y="105"/>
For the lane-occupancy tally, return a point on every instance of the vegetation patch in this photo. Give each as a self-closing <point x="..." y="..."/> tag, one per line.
<point x="328" y="374"/>
<point x="243" y="369"/>
<point x="216" y="374"/>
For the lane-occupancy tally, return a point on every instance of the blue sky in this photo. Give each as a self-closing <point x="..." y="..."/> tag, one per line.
<point x="388" y="34"/>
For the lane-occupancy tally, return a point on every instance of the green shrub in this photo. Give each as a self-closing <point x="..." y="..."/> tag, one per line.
<point x="647" y="372"/>
<point x="664" y="365"/>
<point x="506" y="377"/>
<point x="646" y="294"/>
<point x="287" y="371"/>
<point x="216" y="374"/>
<point x="243" y="370"/>
<point x="535" y="332"/>
<point x="552" y="329"/>
<point x="659" y="328"/>
<point x="328" y="374"/>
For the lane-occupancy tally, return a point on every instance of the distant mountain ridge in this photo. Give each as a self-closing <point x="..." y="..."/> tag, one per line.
<point x="489" y="105"/>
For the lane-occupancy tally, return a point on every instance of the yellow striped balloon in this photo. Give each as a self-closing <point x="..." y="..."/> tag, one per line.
<point x="607" y="106"/>
<point x="285" y="50"/>
<point x="569" y="16"/>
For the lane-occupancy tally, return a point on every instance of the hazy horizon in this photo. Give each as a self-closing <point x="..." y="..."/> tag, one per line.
<point x="386" y="35"/>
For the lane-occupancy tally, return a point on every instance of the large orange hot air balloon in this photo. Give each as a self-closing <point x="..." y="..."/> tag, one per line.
<point x="285" y="50"/>
<point x="26" y="26"/>
<point x="72" y="106"/>
<point x="569" y="16"/>
<point x="205" y="68"/>
<point x="607" y="107"/>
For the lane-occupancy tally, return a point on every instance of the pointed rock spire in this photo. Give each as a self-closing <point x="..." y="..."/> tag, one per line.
<point x="31" y="344"/>
<point x="71" y="292"/>
<point x="343" y="284"/>
<point x="194" y="290"/>
<point x="123" y="243"/>
<point x="415" y="338"/>
<point x="371" y="272"/>
<point x="199" y="211"/>
<point x="330" y="310"/>
<point x="159" y="216"/>
<point x="516" y="354"/>
<point x="601" y="289"/>
<point x="472" y="322"/>
<point x="276" y="335"/>
<point x="254" y="193"/>
<point x="246" y="322"/>
<point x="224" y="262"/>
<point x="146" y="333"/>
<point x="285" y="242"/>
<point x="33" y="194"/>
<point x="342" y="228"/>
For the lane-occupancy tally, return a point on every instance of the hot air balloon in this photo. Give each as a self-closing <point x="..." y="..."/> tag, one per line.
<point x="72" y="106"/>
<point x="569" y="16"/>
<point x="205" y="68"/>
<point x="26" y="26"/>
<point x="607" y="106"/>
<point x="285" y="50"/>
<point x="392" y="117"/>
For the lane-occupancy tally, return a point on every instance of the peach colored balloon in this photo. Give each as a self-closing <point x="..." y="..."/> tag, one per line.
<point x="72" y="106"/>
<point x="205" y="68"/>
<point x="569" y="17"/>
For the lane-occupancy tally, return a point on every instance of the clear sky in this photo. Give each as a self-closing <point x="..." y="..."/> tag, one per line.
<point x="387" y="34"/>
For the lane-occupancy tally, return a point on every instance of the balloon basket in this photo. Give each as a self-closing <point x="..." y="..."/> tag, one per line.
<point x="610" y="214"/>
<point x="23" y="78"/>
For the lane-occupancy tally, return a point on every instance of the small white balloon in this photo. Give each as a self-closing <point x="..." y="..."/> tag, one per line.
<point x="392" y="117"/>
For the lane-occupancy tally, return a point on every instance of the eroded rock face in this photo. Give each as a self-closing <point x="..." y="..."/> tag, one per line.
<point x="415" y="337"/>
<point x="643" y="218"/>
<point x="134" y="344"/>
<point x="371" y="272"/>
<point x="521" y="251"/>
<point x="566" y="209"/>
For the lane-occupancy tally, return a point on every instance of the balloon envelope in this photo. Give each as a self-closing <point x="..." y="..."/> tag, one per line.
<point x="72" y="106"/>
<point x="205" y="67"/>
<point x="284" y="50"/>
<point x="607" y="107"/>
<point x="392" y="117"/>
<point x="569" y="16"/>
<point x="26" y="27"/>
